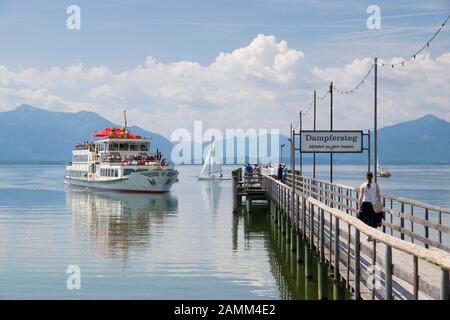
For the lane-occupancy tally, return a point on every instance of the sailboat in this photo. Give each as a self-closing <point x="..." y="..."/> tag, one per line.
<point x="382" y="172"/>
<point x="211" y="169"/>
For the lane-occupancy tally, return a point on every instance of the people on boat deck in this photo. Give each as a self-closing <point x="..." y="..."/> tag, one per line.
<point x="141" y="158"/>
<point x="370" y="207"/>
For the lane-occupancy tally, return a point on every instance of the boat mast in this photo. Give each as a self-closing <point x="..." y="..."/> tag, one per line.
<point x="125" y="119"/>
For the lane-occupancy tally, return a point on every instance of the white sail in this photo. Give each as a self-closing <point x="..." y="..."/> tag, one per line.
<point x="214" y="166"/>
<point x="211" y="168"/>
<point x="206" y="166"/>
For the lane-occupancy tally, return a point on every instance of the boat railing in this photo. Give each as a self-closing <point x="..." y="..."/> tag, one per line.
<point x="85" y="146"/>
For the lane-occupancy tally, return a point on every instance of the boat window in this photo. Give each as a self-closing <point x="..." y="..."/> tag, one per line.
<point x="116" y="173"/>
<point x="134" y="147"/>
<point x="113" y="146"/>
<point x="80" y="158"/>
<point x="101" y="147"/>
<point x="144" y="147"/>
<point x="127" y="172"/>
<point x="124" y="146"/>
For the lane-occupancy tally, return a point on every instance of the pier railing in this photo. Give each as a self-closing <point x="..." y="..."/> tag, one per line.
<point x="408" y="219"/>
<point x="323" y="215"/>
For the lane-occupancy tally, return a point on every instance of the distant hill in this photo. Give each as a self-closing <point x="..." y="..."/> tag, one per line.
<point x="424" y="140"/>
<point x="29" y="134"/>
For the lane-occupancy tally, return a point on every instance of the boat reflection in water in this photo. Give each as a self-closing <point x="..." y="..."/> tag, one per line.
<point x="116" y="222"/>
<point x="210" y="190"/>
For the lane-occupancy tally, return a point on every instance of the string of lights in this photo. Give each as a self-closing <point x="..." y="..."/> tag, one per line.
<point x="414" y="55"/>
<point x="382" y="64"/>
<point x="322" y="97"/>
<point x="360" y="83"/>
<point x="304" y="113"/>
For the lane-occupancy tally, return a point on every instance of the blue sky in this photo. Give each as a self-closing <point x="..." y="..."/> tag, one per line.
<point x="121" y="33"/>
<point x="214" y="59"/>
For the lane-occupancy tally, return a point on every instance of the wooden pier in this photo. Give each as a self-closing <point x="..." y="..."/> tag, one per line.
<point x="409" y="257"/>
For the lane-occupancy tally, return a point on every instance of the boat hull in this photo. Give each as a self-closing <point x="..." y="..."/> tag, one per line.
<point x="137" y="182"/>
<point x="213" y="178"/>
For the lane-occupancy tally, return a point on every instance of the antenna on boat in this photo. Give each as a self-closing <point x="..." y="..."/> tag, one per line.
<point x="125" y="119"/>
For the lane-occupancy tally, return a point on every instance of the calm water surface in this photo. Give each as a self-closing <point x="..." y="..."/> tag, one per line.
<point x="183" y="245"/>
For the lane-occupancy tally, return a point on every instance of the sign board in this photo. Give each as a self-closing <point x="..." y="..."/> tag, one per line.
<point x="331" y="141"/>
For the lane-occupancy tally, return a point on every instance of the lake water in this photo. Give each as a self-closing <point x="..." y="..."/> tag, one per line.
<point x="186" y="244"/>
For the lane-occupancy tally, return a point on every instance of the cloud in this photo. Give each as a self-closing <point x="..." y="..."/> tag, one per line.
<point x="261" y="85"/>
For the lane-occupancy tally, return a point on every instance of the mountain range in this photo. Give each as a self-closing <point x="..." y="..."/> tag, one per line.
<point x="29" y="134"/>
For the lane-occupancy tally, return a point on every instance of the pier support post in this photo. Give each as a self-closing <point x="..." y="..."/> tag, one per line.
<point x="274" y="210"/>
<point x="293" y="239"/>
<point x="236" y="203"/>
<point x="270" y="203"/>
<point x="445" y="285"/>
<point x="248" y="204"/>
<point x="388" y="274"/>
<point x="338" y="291"/>
<point x="277" y="215"/>
<point x="357" y="266"/>
<point x="336" y="250"/>
<point x="288" y="229"/>
<point x="308" y="262"/>
<point x="323" y="281"/>
<point x="300" y="250"/>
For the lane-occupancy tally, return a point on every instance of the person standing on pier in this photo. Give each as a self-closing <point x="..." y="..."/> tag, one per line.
<point x="370" y="208"/>
<point x="280" y="172"/>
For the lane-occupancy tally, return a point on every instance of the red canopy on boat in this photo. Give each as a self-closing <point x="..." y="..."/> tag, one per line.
<point x="115" y="133"/>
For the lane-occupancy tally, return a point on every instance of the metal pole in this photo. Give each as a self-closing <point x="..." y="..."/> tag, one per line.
<point x="293" y="170"/>
<point x="331" y="128"/>
<point x="281" y="153"/>
<point x="375" y="138"/>
<point x="368" y="152"/>
<point x="301" y="155"/>
<point x="314" y="154"/>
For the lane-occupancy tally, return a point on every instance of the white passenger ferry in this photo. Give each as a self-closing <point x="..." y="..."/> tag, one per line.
<point x="120" y="160"/>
